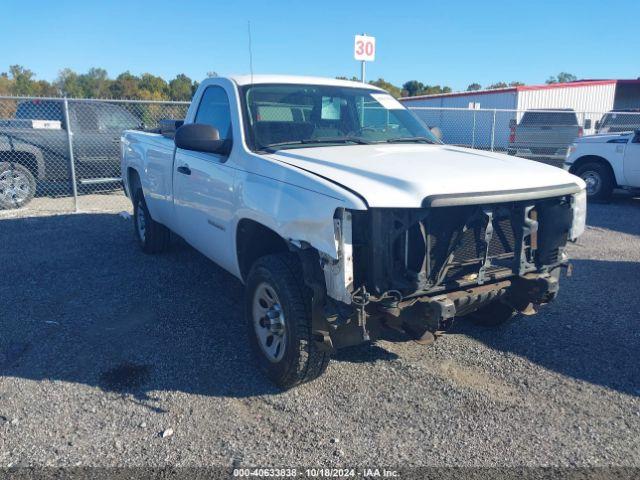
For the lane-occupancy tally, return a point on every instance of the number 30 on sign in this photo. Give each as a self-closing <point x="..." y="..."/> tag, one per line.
<point x="364" y="48"/>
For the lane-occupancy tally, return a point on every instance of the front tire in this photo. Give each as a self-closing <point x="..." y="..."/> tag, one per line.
<point x="153" y="237"/>
<point x="17" y="185"/>
<point x="278" y="315"/>
<point x="599" y="181"/>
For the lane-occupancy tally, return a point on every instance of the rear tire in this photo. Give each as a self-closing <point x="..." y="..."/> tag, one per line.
<point x="600" y="182"/>
<point x="278" y="315"/>
<point x="153" y="237"/>
<point x="492" y="315"/>
<point x="17" y="185"/>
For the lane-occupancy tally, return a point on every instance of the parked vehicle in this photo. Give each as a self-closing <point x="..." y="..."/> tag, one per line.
<point x="625" y="120"/>
<point x="344" y="216"/>
<point x="544" y="134"/>
<point x="34" y="146"/>
<point x="606" y="162"/>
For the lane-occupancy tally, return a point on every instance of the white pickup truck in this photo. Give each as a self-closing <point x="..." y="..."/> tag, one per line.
<point x="606" y="161"/>
<point x="345" y="217"/>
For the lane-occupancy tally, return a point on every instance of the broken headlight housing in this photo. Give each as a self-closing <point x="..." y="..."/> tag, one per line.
<point x="579" y="208"/>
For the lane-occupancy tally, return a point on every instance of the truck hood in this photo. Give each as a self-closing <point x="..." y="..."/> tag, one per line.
<point x="603" y="137"/>
<point x="413" y="175"/>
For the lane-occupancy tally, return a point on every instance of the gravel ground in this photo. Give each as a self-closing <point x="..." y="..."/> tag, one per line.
<point x="102" y="348"/>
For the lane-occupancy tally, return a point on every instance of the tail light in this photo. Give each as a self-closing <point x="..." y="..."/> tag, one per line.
<point x="580" y="131"/>
<point x="512" y="135"/>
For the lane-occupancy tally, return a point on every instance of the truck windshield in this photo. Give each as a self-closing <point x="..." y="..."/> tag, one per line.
<point x="39" y="110"/>
<point x="620" y="121"/>
<point x="547" y="118"/>
<point x="298" y="116"/>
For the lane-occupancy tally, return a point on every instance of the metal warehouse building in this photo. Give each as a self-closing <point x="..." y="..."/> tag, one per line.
<point x="582" y="96"/>
<point x="479" y="126"/>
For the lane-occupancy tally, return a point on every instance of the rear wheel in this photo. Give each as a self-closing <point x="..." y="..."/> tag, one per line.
<point x="278" y="311"/>
<point x="492" y="315"/>
<point x="153" y="237"/>
<point x="17" y="185"/>
<point x="599" y="180"/>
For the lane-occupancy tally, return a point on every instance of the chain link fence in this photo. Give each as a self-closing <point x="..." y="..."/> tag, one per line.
<point x="61" y="155"/>
<point x="542" y="135"/>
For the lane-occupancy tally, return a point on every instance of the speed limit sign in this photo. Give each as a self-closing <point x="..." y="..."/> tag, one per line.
<point x="364" y="48"/>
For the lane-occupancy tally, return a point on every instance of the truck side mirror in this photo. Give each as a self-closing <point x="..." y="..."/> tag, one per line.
<point x="200" y="137"/>
<point x="587" y="124"/>
<point x="597" y="124"/>
<point x="512" y="123"/>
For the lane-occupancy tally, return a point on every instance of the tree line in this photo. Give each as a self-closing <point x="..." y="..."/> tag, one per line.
<point x="96" y="83"/>
<point x="414" y="88"/>
<point x="562" y="77"/>
<point x="411" y="88"/>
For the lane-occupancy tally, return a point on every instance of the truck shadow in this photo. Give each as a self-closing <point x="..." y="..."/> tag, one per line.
<point x="589" y="333"/>
<point x="81" y="303"/>
<point x="625" y="206"/>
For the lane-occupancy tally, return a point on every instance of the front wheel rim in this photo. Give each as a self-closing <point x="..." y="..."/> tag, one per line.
<point x="269" y="322"/>
<point x="141" y="222"/>
<point x="14" y="187"/>
<point x="593" y="181"/>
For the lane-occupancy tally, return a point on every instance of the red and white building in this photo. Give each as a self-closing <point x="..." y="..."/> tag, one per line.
<point x="478" y="124"/>
<point x="582" y="96"/>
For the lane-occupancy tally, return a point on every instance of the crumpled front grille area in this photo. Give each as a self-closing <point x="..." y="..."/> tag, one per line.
<point x="431" y="249"/>
<point x="457" y="241"/>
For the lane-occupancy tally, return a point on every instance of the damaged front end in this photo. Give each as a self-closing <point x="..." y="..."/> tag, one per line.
<point x="417" y="269"/>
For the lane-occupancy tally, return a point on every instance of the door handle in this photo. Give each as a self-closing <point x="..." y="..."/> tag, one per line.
<point x="184" y="169"/>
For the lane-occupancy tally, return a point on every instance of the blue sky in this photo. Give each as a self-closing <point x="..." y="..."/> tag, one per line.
<point x="453" y="43"/>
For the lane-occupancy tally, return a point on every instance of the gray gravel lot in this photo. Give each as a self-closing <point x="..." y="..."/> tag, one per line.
<point x="103" y="347"/>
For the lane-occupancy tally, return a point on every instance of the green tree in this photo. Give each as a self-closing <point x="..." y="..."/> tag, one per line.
<point x="563" y="77"/>
<point x="95" y="83"/>
<point x="23" y="83"/>
<point x="389" y="87"/>
<point x="152" y="87"/>
<point x="181" y="88"/>
<point x="6" y="84"/>
<point x="68" y="84"/>
<point x="497" y="85"/>
<point x="125" y="86"/>
<point x="516" y="84"/>
<point x="45" y="89"/>
<point x="433" y="90"/>
<point x="474" y="87"/>
<point x="413" y="87"/>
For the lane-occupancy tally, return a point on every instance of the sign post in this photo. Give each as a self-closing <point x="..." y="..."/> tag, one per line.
<point x="364" y="49"/>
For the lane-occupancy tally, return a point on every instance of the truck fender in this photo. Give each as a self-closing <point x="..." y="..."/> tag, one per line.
<point x="297" y="215"/>
<point x="303" y="218"/>
<point x="6" y="148"/>
<point x="616" y="173"/>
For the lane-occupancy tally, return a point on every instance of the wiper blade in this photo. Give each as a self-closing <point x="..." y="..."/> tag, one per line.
<point x="282" y="144"/>
<point x="307" y="141"/>
<point x="410" y="140"/>
<point x="358" y="140"/>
